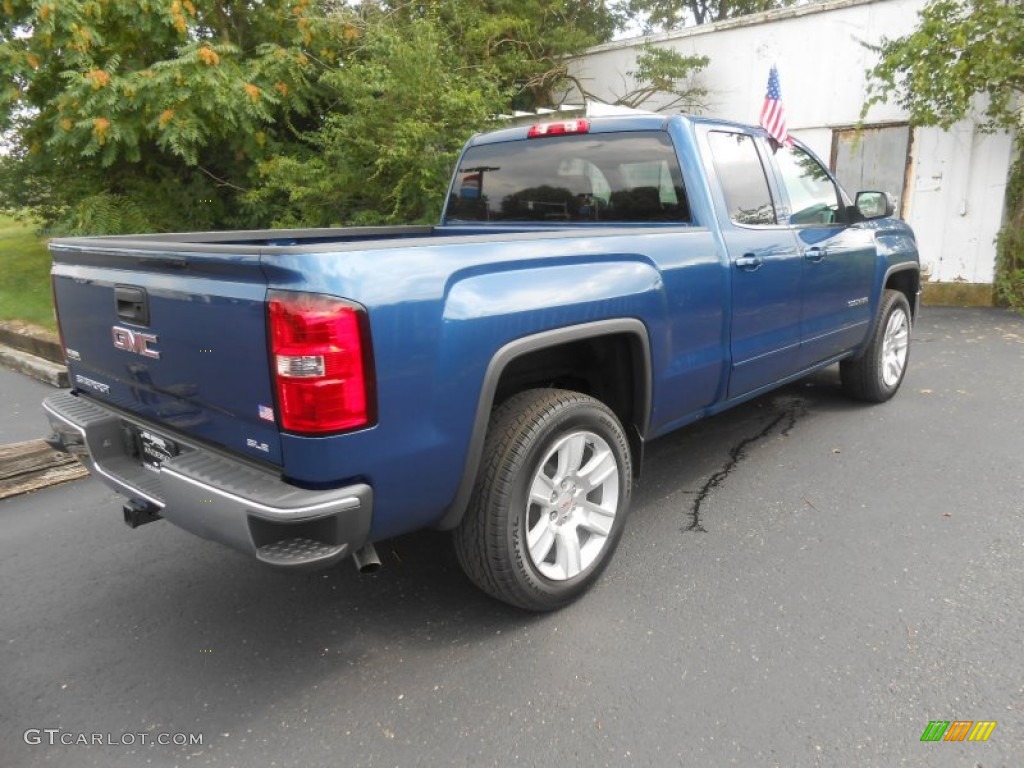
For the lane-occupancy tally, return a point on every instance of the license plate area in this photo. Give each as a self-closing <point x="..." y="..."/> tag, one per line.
<point x="154" y="449"/>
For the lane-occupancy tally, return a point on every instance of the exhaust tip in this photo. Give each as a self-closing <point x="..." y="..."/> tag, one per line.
<point x="55" y="443"/>
<point x="366" y="560"/>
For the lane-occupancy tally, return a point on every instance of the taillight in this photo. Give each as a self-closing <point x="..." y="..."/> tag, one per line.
<point x="320" y="350"/>
<point x="561" y="128"/>
<point x="56" y="317"/>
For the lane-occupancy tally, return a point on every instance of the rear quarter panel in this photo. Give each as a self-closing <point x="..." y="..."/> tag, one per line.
<point x="439" y="314"/>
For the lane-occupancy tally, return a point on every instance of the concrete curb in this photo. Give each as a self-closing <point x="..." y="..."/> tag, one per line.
<point x="32" y="339"/>
<point x="36" y="367"/>
<point x="34" y="351"/>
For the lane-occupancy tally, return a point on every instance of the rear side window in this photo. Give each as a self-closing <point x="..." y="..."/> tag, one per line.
<point x="612" y="177"/>
<point x="742" y="178"/>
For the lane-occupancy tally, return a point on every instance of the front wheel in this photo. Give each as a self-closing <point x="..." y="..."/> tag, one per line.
<point x="876" y="375"/>
<point x="550" y="501"/>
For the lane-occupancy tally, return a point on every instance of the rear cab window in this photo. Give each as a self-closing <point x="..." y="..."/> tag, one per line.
<point x="743" y="179"/>
<point x="629" y="177"/>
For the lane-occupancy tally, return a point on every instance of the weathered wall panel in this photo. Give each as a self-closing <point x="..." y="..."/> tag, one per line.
<point x="956" y="181"/>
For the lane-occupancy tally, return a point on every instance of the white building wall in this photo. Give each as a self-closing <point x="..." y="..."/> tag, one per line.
<point x="956" y="190"/>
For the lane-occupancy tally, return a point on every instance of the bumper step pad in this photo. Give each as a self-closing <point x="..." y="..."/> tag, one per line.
<point x="298" y="552"/>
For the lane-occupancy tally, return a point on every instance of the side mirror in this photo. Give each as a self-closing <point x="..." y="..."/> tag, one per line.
<point x="875" y="205"/>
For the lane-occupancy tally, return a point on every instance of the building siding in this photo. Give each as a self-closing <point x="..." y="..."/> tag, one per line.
<point x="956" y="184"/>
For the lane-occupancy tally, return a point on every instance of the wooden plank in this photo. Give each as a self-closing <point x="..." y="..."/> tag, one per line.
<point x="40" y="480"/>
<point x="32" y="465"/>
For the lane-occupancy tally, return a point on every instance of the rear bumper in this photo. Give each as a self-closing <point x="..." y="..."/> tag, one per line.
<point x="214" y="496"/>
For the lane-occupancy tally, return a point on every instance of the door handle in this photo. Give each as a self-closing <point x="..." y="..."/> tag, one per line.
<point x="815" y="254"/>
<point x="749" y="262"/>
<point x="132" y="304"/>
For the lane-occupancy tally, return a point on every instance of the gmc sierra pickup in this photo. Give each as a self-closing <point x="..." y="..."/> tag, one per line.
<point x="593" y="284"/>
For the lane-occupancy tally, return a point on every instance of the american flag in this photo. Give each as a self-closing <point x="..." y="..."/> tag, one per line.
<point x="773" y="115"/>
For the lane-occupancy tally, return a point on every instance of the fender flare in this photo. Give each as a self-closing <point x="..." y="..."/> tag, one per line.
<point x="525" y="345"/>
<point x="905" y="266"/>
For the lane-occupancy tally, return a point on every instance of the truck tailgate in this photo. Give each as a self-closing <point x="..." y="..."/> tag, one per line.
<point x="176" y="339"/>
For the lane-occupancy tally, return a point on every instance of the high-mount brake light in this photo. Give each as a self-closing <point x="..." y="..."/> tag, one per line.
<point x="561" y="128"/>
<point x="322" y="371"/>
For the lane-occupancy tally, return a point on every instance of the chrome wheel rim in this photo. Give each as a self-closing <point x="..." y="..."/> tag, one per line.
<point x="895" y="344"/>
<point x="574" y="497"/>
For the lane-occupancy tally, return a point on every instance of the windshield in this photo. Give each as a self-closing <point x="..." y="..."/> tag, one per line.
<point x="610" y="177"/>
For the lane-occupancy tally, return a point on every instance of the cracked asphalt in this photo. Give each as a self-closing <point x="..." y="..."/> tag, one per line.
<point x="783" y="421"/>
<point x="805" y="581"/>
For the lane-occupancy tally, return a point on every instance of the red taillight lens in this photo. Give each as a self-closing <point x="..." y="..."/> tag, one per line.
<point x="319" y="346"/>
<point x="561" y="128"/>
<point x="56" y="317"/>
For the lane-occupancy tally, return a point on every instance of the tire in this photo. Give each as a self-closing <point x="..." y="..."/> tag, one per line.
<point x="539" y="531"/>
<point x="876" y="375"/>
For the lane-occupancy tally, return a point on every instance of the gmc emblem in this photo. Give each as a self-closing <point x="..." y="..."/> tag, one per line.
<point x="134" y="341"/>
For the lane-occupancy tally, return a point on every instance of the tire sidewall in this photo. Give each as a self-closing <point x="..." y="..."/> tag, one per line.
<point x="579" y="416"/>
<point x="896" y="303"/>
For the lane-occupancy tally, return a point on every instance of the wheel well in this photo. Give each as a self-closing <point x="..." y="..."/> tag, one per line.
<point x="907" y="282"/>
<point x="610" y="368"/>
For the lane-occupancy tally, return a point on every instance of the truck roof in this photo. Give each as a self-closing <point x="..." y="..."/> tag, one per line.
<point x="610" y="124"/>
<point x="639" y="122"/>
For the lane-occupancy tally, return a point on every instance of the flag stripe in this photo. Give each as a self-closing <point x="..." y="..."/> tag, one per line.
<point x="773" y="115"/>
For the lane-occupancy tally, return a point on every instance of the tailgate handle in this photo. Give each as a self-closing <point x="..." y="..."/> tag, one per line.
<point x="132" y="304"/>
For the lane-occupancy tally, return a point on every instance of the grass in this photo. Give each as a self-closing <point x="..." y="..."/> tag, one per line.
<point x="24" y="274"/>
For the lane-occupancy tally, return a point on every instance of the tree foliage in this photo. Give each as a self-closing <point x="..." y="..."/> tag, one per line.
<point x="194" y="114"/>
<point x="966" y="59"/>
<point x="385" y="152"/>
<point x="664" y="72"/>
<point x="166" y="102"/>
<point x="1010" y="242"/>
<point x="519" y="44"/>
<point x="660" y="73"/>
<point x="664" y="15"/>
<point x="126" y="115"/>
<point x="421" y="80"/>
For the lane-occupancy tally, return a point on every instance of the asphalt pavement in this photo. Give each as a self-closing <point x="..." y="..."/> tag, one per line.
<point x="804" y="581"/>
<point x="22" y="417"/>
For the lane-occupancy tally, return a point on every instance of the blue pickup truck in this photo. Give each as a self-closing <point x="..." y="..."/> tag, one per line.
<point x="593" y="284"/>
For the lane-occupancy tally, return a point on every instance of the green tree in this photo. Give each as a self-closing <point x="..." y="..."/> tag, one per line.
<point x="664" y="15"/>
<point x="406" y="104"/>
<point x="662" y="72"/>
<point x="127" y="115"/>
<point x="520" y="44"/>
<point x="161" y="106"/>
<point x="174" y="114"/>
<point x="965" y="59"/>
<point x="423" y="78"/>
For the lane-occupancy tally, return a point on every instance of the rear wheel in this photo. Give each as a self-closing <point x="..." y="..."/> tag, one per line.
<point x="550" y="501"/>
<point x="876" y="375"/>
